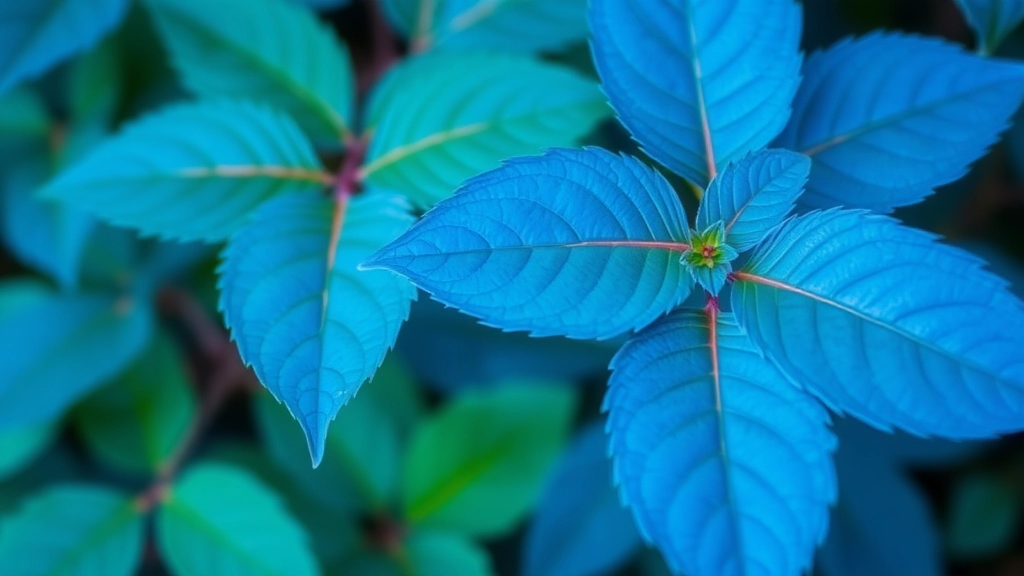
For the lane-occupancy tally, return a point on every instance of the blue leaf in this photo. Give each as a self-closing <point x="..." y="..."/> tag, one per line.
<point x="581" y="243"/>
<point x="882" y="322"/>
<point x="193" y="171"/>
<point x="992" y="20"/>
<point x="726" y="464"/>
<point x="36" y="35"/>
<point x="581" y="528"/>
<point x="312" y="326"/>
<point x="699" y="83"/>
<point x="887" y="118"/>
<point x="324" y="5"/>
<point x="753" y="195"/>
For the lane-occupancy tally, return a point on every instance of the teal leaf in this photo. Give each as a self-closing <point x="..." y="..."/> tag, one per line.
<point x="192" y="171"/>
<point x="23" y="114"/>
<point x="753" y="195"/>
<point x="699" y="83"/>
<point x="582" y="243"/>
<point x="218" y="519"/>
<point x="34" y="36"/>
<point x="311" y="325"/>
<point x="992" y="20"/>
<point x="136" y="422"/>
<point x="324" y="5"/>
<point x="441" y="118"/>
<point x="884" y="323"/>
<point x="433" y="553"/>
<point x="984" y="513"/>
<point x="726" y="464"/>
<point x="279" y="54"/>
<point x="67" y="345"/>
<point x="521" y="25"/>
<point x="478" y="466"/>
<point x="23" y="444"/>
<point x="73" y="530"/>
<point x="580" y="527"/>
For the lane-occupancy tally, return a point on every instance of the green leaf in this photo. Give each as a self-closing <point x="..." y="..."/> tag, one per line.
<point x="984" y="515"/>
<point x="22" y="115"/>
<point x="395" y="390"/>
<point x="360" y="466"/>
<point x="440" y="554"/>
<point x="72" y="530"/>
<point x="23" y="444"/>
<point x="220" y="520"/>
<point x="278" y="53"/>
<point x="136" y="422"/>
<point x="443" y="117"/>
<point x="478" y="466"/>
<point x="193" y="171"/>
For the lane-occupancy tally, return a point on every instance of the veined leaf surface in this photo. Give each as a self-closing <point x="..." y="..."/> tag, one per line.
<point x="726" y="464"/>
<point x="193" y="171"/>
<point x="699" y="83"/>
<point x="279" y="54"/>
<point x="581" y="243"/>
<point x="886" y="118"/>
<point x="882" y="322"/>
<point x="992" y="20"/>
<point x="311" y="325"/>
<point x="444" y="117"/>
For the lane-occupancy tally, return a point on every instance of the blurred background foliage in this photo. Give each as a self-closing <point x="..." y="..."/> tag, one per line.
<point x="472" y="452"/>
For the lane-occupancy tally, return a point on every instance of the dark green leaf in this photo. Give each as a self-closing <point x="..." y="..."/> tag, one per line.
<point x="984" y="515"/>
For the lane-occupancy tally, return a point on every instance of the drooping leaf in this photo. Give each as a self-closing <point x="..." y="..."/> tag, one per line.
<point x="698" y="83"/>
<point x="882" y="322"/>
<point x="581" y="243"/>
<point x="521" y="25"/>
<point x="444" y="117"/>
<point x="992" y="20"/>
<point x="34" y="36"/>
<point x="726" y="464"/>
<point x="218" y="519"/>
<point x="136" y="422"/>
<point x="193" y="171"/>
<point x="73" y="530"/>
<point x="360" y="467"/>
<point x="581" y="528"/>
<point x="312" y="326"/>
<point x="754" y="195"/>
<point x="444" y="554"/>
<point x="279" y="54"/>
<point x="477" y="467"/>
<point x="886" y="118"/>
<point x="984" y="514"/>
<point x="66" y="346"/>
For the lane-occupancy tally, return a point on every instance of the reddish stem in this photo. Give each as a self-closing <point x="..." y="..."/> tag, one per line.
<point x="348" y="182"/>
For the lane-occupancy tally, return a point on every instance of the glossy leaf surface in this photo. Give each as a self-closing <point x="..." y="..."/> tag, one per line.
<point x="444" y="117"/>
<point x="478" y="466"/>
<point x="193" y="171"/>
<point x="726" y="464"/>
<point x="754" y="195"/>
<point x="580" y="528"/>
<point x="77" y="530"/>
<point x="581" y="243"/>
<point x="698" y="83"/>
<point x="886" y="118"/>
<point x="311" y="325"/>
<point x="882" y="322"/>
<point x="280" y="54"/>
<point x="218" y="519"/>
<point x="992" y="20"/>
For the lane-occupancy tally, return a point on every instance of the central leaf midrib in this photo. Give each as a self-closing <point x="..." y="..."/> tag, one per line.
<point x="193" y="517"/>
<point x="118" y="519"/>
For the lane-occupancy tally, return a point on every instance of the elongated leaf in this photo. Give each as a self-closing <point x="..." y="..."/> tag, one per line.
<point x="581" y="528"/>
<point x="443" y="554"/>
<point x="753" y="195"/>
<point x="66" y="346"/>
<point x="279" y="54"/>
<point x="984" y="515"/>
<point x="478" y="466"/>
<point x="136" y="422"/>
<point x="887" y="118"/>
<point x="992" y="20"/>
<point x="698" y="83"/>
<point x="522" y="25"/>
<point x="726" y="465"/>
<point x="193" y="171"/>
<point x="313" y="326"/>
<point x="75" y="530"/>
<point x="36" y="35"/>
<point x="445" y="117"/>
<point x="581" y="243"/>
<point x="882" y="322"/>
<point x="220" y="520"/>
